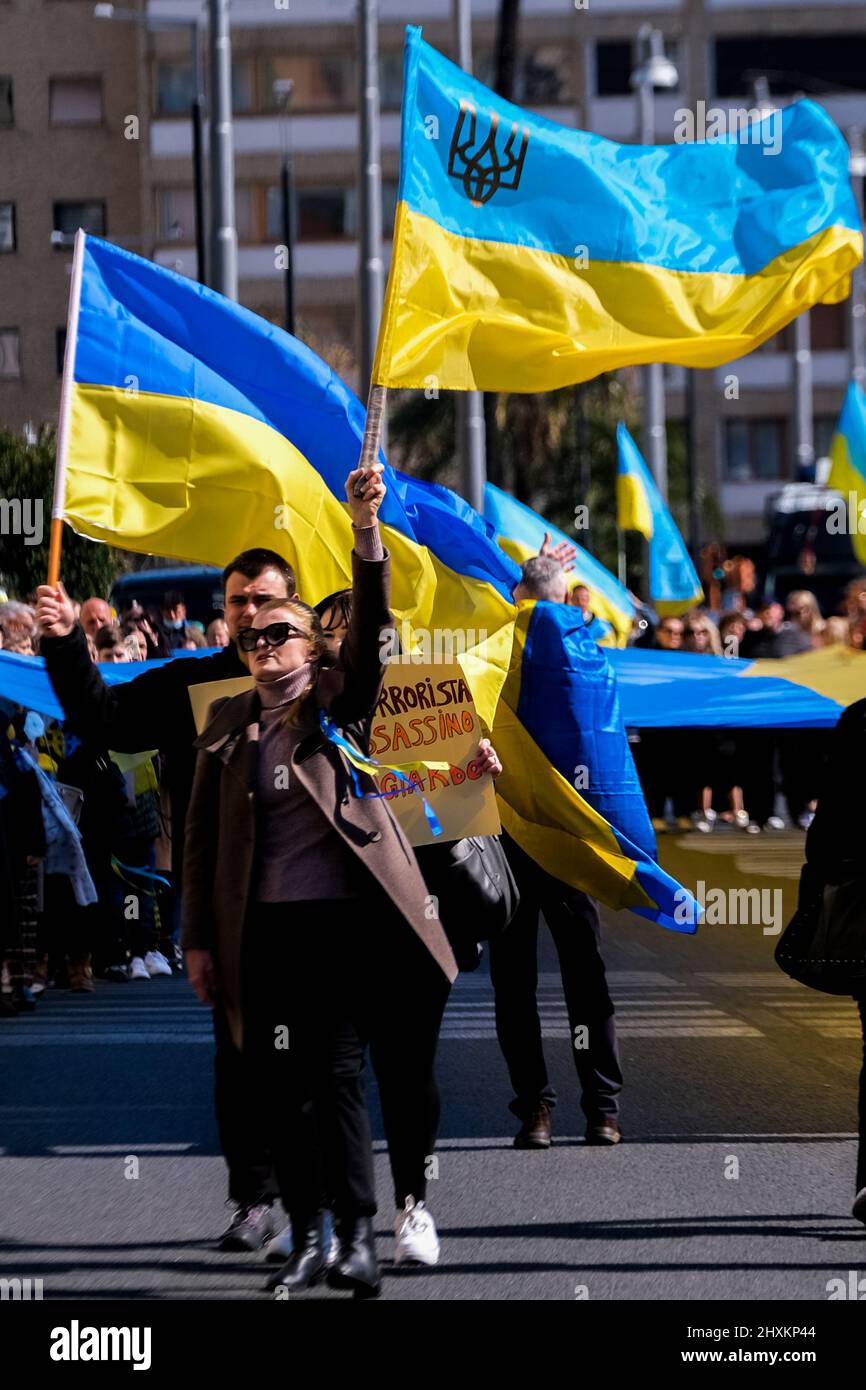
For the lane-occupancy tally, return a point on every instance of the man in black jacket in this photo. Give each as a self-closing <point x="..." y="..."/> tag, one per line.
<point x="154" y="711"/>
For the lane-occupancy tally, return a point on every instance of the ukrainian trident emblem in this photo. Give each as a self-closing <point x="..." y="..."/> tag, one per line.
<point x="484" y="170"/>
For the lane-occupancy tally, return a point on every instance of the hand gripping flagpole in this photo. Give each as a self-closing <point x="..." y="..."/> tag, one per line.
<point x="59" y="504"/>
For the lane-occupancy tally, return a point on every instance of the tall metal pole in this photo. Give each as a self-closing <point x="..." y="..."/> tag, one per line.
<point x="803" y="397"/>
<point x="655" y="432"/>
<point x="471" y="430"/>
<point x="284" y="89"/>
<point x="858" y="275"/>
<point x="288" y="242"/>
<point x="197" y="115"/>
<point x="224" y="236"/>
<point x="370" y="201"/>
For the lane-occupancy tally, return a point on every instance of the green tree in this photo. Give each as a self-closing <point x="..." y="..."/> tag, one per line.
<point x="27" y="474"/>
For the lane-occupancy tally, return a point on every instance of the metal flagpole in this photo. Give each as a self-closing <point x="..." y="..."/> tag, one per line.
<point x="858" y="275"/>
<point x="370" y="187"/>
<point x="66" y="384"/>
<point x="471" y="428"/>
<point x="224" y="244"/>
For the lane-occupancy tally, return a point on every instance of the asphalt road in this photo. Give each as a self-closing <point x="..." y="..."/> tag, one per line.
<point x="735" y="1180"/>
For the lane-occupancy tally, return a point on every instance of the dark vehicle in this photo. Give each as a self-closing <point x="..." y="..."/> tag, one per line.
<point x="200" y="585"/>
<point x="808" y="545"/>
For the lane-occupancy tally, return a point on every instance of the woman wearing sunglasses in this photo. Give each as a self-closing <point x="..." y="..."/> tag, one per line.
<point x="307" y="912"/>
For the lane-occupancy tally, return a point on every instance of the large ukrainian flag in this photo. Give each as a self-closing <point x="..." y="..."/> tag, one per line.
<point x="528" y="256"/>
<point x="197" y="430"/>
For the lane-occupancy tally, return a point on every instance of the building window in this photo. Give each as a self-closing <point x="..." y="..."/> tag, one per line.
<point x="59" y="348"/>
<point x="10" y="361"/>
<point x="754" y="450"/>
<point x="68" y="217"/>
<point x="613" y="67"/>
<point x="324" y="82"/>
<point x="75" y="101"/>
<point x="243" y="87"/>
<point x="542" y="78"/>
<point x="824" y="427"/>
<point x="174" y="88"/>
<point x="245" y="219"/>
<point x="8" y="239"/>
<point x="322" y="214"/>
<point x="7" y="111"/>
<point x="615" y="62"/>
<point x="828" y="327"/>
<point x="391" y="80"/>
<point x="814" y="63"/>
<point x="176" y="215"/>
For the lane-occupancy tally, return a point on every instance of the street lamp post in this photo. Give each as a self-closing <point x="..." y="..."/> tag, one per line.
<point x="654" y="71"/>
<point x="283" y="89"/>
<point x="471" y="430"/>
<point x="197" y="118"/>
<point x="858" y="275"/>
<point x="370" y="187"/>
<point x="224" y="237"/>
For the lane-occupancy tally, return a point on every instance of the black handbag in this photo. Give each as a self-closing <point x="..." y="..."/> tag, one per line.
<point x="476" y="892"/>
<point x="824" y="944"/>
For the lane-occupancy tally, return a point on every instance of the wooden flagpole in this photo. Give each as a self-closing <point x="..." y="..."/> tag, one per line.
<point x="66" y="385"/>
<point x="372" y="435"/>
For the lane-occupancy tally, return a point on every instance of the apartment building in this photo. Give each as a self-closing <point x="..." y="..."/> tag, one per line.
<point x="73" y="152"/>
<point x="575" y="61"/>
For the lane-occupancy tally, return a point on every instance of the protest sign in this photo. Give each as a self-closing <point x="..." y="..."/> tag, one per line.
<point x="426" y="714"/>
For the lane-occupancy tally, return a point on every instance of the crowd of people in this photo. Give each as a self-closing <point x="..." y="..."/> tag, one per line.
<point x="131" y="846"/>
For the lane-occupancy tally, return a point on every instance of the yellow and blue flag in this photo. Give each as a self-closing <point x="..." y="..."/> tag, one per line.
<point x="673" y="581"/>
<point x="198" y="430"/>
<point x="529" y="256"/>
<point x="521" y="531"/>
<point x="848" y="464"/>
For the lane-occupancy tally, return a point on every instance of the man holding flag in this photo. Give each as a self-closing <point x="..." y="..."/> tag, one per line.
<point x="153" y="711"/>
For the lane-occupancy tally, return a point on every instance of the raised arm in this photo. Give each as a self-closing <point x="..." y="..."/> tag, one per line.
<point x="367" y="639"/>
<point x="140" y="714"/>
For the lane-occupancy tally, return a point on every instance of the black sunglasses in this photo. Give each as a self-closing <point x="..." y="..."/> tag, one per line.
<point x="275" y="634"/>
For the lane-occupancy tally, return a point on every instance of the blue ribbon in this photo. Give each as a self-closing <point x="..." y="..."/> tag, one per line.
<point x="353" y="756"/>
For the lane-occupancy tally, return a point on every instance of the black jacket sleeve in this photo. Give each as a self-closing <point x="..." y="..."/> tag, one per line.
<point x="151" y="711"/>
<point x="367" y="641"/>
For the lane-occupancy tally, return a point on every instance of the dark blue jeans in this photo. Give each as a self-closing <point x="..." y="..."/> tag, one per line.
<point x="574" y="924"/>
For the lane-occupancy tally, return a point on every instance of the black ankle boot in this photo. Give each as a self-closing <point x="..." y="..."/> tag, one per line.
<point x="356" y="1268"/>
<point x="309" y="1260"/>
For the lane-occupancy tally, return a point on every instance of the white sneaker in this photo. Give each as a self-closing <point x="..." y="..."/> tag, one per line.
<point x="137" y="970"/>
<point x="155" y="963"/>
<point x="415" y="1235"/>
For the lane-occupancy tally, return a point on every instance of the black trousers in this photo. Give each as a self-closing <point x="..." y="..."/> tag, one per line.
<point x="240" y="1120"/>
<point x="861" y="1109"/>
<point x="342" y="977"/>
<point x="574" y="924"/>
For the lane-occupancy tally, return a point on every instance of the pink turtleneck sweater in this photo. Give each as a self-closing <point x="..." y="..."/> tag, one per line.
<point x="300" y="855"/>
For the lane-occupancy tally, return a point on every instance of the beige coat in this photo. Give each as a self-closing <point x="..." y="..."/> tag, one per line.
<point x="220" y="852"/>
